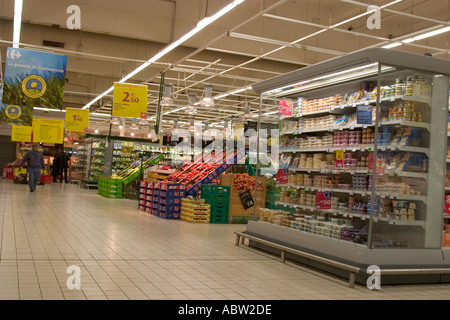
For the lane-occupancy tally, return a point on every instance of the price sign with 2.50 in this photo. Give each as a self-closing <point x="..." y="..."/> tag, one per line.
<point x="130" y="100"/>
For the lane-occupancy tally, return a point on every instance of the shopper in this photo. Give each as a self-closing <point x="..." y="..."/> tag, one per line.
<point x="35" y="162"/>
<point x="63" y="165"/>
<point x="55" y="167"/>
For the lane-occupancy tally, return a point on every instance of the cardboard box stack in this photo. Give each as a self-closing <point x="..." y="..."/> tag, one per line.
<point x="196" y="211"/>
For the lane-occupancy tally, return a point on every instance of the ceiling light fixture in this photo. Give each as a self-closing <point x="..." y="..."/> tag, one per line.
<point x="223" y="95"/>
<point x="175" y="125"/>
<point x="427" y="35"/>
<point x="192" y="124"/>
<point x="200" y="26"/>
<point x="191" y="109"/>
<point x="115" y="120"/>
<point x="134" y="125"/>
<point x="247" y="113"/>
<point x="392" y="45"/>
<point x="18" y="5"/>
<point x="208" y="100"/>
<point x="167" y="100"/>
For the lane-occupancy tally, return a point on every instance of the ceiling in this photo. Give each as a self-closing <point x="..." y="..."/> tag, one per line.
<point x="257" y="40"/>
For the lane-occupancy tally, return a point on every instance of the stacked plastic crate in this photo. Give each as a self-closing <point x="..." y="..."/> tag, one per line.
<point x="110" y="188"/>
<point x="168" y="197"/>
<point x="196" y="211"/>
<point x="218" y="197"/>
<point x="145" y="196"/>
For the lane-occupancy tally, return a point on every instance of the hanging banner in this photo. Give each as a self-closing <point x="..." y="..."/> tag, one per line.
<point x="34" y="79"/>
<point x="285" y="108"/>
<point x="77" y="120"/>
<point x="282" y="176"/>
<point x="21" y="133"/>
<point x="364" y="114"/>
<point x="48" y="131"/>
<point x="130" y="100"/>
<point x="15" y="114"/>
<point x="323" y="200"/>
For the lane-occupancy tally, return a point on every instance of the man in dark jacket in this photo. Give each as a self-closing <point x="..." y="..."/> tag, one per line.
<point x="55" y="167"/>
<point x="63" y="165"/>
<point x="35" y="161"/>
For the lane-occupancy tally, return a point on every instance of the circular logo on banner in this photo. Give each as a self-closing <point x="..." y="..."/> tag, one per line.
<point x="13" y="112"/>
<point x="34" y="86"/>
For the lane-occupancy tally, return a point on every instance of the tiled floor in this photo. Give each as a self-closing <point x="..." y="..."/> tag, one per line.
<point x="124" y="253"/>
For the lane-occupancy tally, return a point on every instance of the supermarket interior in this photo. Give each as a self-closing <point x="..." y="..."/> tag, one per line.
<point x="224" y="150"/>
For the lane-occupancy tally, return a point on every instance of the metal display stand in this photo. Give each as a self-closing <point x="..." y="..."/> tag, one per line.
<point x="409" y="246"/>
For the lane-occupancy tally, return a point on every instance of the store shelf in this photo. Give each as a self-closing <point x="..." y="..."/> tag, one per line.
<point x="331" y="149"/>
<point x="447" y="188"/>
<point x="331" y="171"/>
<point x="404" y="148"/>
<point x="406" y="174"/>
<point x="290" y="133"/>
<point x="406" y="124"/>
<point x="353" y="215"/>
<point x="315" y="113"/>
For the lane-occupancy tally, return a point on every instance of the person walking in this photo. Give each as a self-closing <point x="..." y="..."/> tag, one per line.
<point x="55" y="167"/>
<point x="35" y="162"/>
<point x="63" y="165"/>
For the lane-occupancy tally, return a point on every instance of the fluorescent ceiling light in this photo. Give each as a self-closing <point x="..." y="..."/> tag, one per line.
<point x="223" y="95"/>
<point x="331" y="75"/>
<point x="200" y="26"/>
<point x="392" y="45"/>
<point x="18" y="5"/>
<point x="47" y="109"/>
<point x="427" y="35"/>
<point x="98" y="98"/>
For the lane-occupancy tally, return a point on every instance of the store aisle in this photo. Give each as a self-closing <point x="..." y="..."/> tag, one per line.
<point x="123" y="253"/>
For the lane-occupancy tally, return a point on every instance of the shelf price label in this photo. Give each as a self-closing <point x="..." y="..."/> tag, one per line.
<point x="339" y="158"/>
<point x="130" y="100"/>
<point x="77" y="120"/>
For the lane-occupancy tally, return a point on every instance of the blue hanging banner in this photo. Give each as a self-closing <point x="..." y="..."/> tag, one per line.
<point x="15" y="114"/>
<point x="34" y="79"/>
<point x="364" y="114"/>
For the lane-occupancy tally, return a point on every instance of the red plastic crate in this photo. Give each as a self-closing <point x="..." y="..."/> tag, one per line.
<point x="46" y="179"/>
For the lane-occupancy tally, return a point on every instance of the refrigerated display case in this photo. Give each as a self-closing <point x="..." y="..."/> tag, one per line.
<point x="365" y="148"/>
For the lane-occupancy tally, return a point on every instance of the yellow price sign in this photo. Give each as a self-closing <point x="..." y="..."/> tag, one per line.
<point x="339" y="155"/>
<point x="21" y="133"/>
<point x="130" y="100"/>
<point x="48" y="131"/>
<point x="77" y="120"/>
<point x="238" y="130"/>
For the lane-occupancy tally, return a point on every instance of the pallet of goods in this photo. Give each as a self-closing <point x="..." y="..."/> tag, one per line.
<point x="199" y="173"/>
<point x="218" y="197"/>
<point x="134" y="171"/>
<point x="239" y="184"/>
<point x="195" y="211"/>
<point x="110" y="187"/>
<point x="161" y="199"/>
<point x="114" y="187"/>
